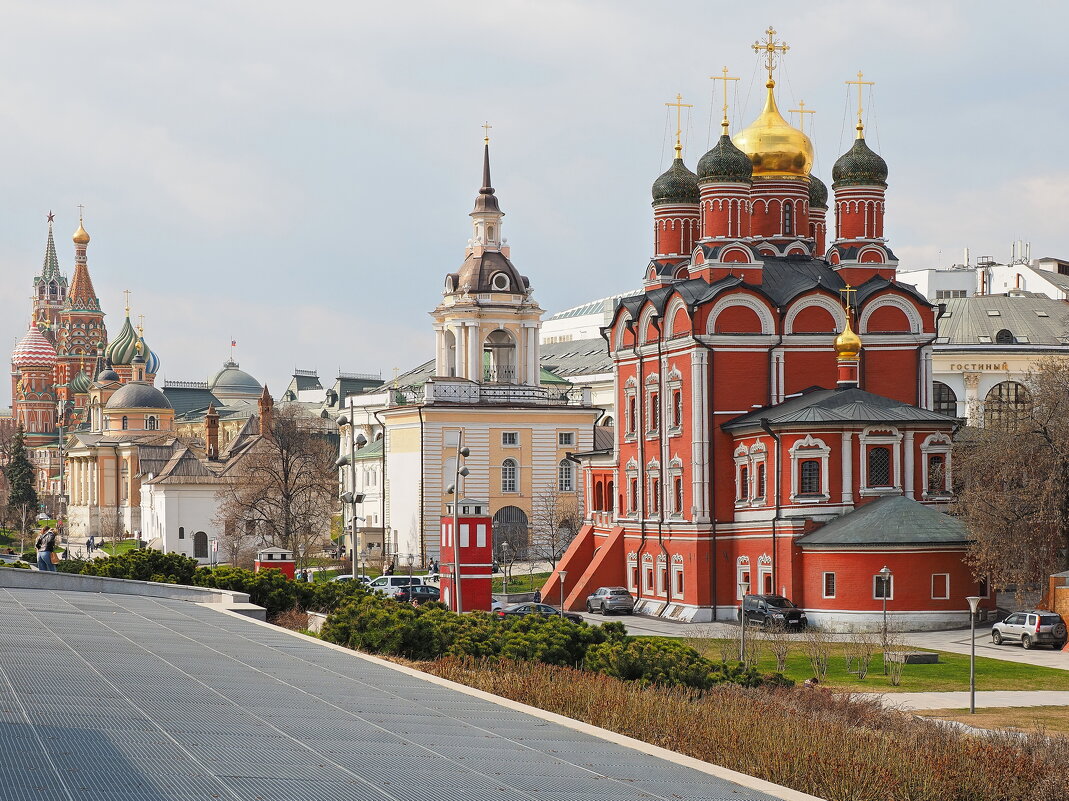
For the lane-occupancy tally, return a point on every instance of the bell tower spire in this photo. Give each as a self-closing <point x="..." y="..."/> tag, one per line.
<point x="487" y="214"/>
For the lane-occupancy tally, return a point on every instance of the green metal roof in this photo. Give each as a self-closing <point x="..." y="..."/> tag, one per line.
<point x="892" y="520"/>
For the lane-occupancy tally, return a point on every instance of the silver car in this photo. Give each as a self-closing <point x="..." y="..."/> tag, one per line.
<point x="1038" y="627"/>
<point x="610" y="599"/>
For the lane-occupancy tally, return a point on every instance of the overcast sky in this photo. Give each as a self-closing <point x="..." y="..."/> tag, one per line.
<point x="297" y="176"/>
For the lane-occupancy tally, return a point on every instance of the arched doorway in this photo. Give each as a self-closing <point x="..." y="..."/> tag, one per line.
<point x="200" y="545"/>
<point x="511" y="526"/>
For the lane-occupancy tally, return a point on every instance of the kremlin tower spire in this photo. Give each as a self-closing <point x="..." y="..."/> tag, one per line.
<point x="50" y="287"/>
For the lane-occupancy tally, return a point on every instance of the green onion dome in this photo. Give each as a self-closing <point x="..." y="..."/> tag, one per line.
<point x="859" y="166"/>
<point x="80" y="384"/>
<point x="676" y="185"/>
<point x="818" y="193"/>
<point x="725" y="162"/>
<point x="124" y="347"/>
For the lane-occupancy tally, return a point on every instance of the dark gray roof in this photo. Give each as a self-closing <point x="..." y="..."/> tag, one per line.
<point x="578" y="357"/>
<point x="851" y="405"/>
<point x="892" y="520"/>
<point x="187" y="399"/>
<point x="600" y="306"/>
<point x="233" y="379"/>
<point x="305" y="379"/>
<point x="1032" y="319"/>
<point x="138" y="395"/>
<point x="604" y="438"/>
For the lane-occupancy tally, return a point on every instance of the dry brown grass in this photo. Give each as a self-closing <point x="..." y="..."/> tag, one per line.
<point x="1053" y="720"/>
<point x="837" y="746"/>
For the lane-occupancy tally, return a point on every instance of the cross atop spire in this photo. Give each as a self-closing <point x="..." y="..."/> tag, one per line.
<point x="679" y="106"/>
<point x="486" y="132"/>
<point x="126" y="292"/>
<point x="801" y="111"/>
<point x="770" y="47"/>
<point x="725" y="78"/>
<point x="860" y="108"/>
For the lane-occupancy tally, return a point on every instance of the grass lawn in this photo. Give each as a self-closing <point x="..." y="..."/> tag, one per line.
<point x="117" y="548"/>
<point x="521" y="582"/>
<point x="1047" y="719"/>
<point x="951" y="673"/>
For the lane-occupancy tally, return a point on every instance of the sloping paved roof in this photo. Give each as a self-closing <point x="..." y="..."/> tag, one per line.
<point x="853" y="405"/>
<point x="893" y="520"/>
<point x="160" y="700"/>
<point x="1032" y="319"/>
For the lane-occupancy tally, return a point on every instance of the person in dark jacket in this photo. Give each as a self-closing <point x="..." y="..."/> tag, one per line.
<point x="46" y="546"/>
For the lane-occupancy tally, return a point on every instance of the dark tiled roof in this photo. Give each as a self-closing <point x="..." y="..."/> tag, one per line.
<point x="852" y="405"/>
<point x="893" y="520"/>
<point x="676" y="185"/>
<point x="604" y="438"/>
<point x="186" y="400"/>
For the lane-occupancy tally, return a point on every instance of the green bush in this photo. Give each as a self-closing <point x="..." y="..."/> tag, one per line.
<point x="267" y="588"/>
<point x="147" y="565"/>
<point x="22" y="565"/>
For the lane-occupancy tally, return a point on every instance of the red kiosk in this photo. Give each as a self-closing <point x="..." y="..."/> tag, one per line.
<point x="475" y="558"/>
<point x="276" y="559"/>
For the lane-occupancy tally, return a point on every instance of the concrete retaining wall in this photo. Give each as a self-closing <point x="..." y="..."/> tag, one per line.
<point x="76" y="582"/>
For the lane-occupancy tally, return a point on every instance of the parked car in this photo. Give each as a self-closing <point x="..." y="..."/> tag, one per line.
<point x="350" y="577"/>
<point x="769" y="610"/>
<point x="537" y="609"/>
<point x="420" y="593"/>
<point x="610" y="599"/>
<point x="389" y="585"/>
<point x="1037" y="627"/>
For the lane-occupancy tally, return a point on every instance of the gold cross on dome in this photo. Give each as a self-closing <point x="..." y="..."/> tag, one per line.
<point x="127" y="293"/>
<point x="725" y="78"/>
<point x="847" y="293"/>
<point x="801" y="111"/>
<point x="770" y="47"/>
<point x="141" y="325"/>
<point x="81" y="212"/>
<point x="486" y="132"/>
<point x="679" y="106"/>
<point x="860" y="109"/>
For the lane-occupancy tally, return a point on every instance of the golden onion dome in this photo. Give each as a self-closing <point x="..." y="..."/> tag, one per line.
<point x="776" y="148"/>
<point x="81" y="236"/>
<point x="847" y="344"/>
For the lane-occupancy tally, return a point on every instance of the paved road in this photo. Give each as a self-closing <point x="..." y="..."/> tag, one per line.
<point x="984" y="698"/>
<point x="123" y="698"/>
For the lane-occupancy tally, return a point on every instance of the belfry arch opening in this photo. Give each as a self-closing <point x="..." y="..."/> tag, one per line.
<point x="499" y="358"/>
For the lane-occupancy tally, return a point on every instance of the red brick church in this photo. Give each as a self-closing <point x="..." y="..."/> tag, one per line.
<point x="759" y="439"/>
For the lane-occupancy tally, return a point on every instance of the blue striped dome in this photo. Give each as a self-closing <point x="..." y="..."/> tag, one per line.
<point x="152" y="361"/>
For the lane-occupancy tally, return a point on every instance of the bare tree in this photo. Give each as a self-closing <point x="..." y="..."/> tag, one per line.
<point x="555" y="520"/>
<point x="283" y="491"/>
<point x="112" y="527"/>
<point x="1012" y="480"/>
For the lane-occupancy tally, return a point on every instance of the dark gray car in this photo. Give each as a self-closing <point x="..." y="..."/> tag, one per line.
<point x="610" y="599"/>
<point x="1038" y="627"/>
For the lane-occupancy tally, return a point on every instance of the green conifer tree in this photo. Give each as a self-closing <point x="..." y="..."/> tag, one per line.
<point x="20" y="479"/>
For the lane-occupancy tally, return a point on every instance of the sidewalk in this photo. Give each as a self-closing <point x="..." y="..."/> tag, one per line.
<point x="957" y="642"/>
<point x="984" y="699"/>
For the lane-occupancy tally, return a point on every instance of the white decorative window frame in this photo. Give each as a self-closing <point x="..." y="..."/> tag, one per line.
<point x="938" y="444"/>
<point x="824" y="584"/>
<point x="648" y="575"/>
<point x="631" y="421"/>
<point x="662" y="575"/>
<point x="673" y="385"/>
<point x="758" y="459"/>
<point x="633" y="498"/>
<point x="764" y="570"/>
<point x="675" y="471"/>
<point x="742" y="569"/>
<point x="890" y="586"/>
<point x="874" y="436"/>
<point x="804" y="449"/>
<point x="652" y="391"/>
<point x="653" y="474"/>
<point x="742" y="488"/>
<point x="946" y="585"/>
<point x="679" y="586"/>
<point x="633" y="577"/>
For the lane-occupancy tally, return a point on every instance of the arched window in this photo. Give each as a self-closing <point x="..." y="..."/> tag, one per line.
<point x="809" y="477"/>
<point x="879" y="473"/>
<point x="936" y="473"/>
<point x="599" y="497"/>
<point x="1005" y="337"/>
<point x="181" y="532"/>
<point x="200" y="545"/>
<point x="510" y="525"/>
<point x="610" y="499"/>
<point x="677" y="493"/>
<point x="677" y="408"/>
<point x="744" y="484"/>
<point x="631" y="404"/>
<point x="508" y="475"/>
<point x="125" y="423"/>
<point x="945" y="401"/>
<point x="566" y="476"/>
<point x="499" y="357"/>
<point x="788" y="218"/>
<point x="151" y="423"/>
<point x="1005" y="404"/>
<point x="760" y="482"/>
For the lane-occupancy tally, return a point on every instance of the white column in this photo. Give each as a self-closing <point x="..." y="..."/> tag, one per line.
<point x="439" y="350"/>
<point x="533" y="360"/>
<point x="475" y="351"/>
<point x="848" y="467"/>
<point x="907" y="465"/>
<point x="699" y="414"/>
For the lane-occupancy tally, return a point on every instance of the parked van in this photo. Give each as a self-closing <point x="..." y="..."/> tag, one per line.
<point x="389" y="585"/>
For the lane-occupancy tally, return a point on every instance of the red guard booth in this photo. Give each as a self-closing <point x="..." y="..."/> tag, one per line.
<point x="276" y="559"/>
<point x="476" y="555"/>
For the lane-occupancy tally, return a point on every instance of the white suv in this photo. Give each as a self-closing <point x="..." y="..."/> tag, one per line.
<point x="390" y="585"/>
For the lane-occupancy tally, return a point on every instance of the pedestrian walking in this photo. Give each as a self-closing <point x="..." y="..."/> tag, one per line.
<point x="538" y="596"/>
<point x="47" y="558"/>
<point x="90" y="544"/>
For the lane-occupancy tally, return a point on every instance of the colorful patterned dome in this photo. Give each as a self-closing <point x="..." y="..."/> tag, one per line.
<point x="80" y="384"/>
<point x="152" y="361"/>
<point x="124" y="347"/>
<point x="33" y="350"/>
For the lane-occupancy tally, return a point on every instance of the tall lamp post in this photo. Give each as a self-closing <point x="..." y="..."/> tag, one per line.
<point x="974" y="601"/>
<point x="885" y="590"/>
<point x="454" y="490"/>
<point x="744" y="590"/>
<point x="62" y="407"/>
<point x="351" y="497"/>
<point x="563" y="574"/>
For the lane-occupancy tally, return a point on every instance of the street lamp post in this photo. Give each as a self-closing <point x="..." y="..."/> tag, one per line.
<point x="744" y="590"/>
<point x="563" y="574"/>
<point x="974" y="601"/>
<point x="885" y="589"/>
<point x="300" y="555"/>
<point x="351" y="497"/>
<point x="454" y="490"/>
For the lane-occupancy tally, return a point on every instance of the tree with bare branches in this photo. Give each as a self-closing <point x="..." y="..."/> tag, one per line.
<point x="282" y="492"/>
<point x="1012" y="483"/>
<point x="555" y="520"/>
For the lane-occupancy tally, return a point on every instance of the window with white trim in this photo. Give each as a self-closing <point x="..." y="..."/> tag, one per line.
<point x="566" y="476"/>
<point x="809" y="477"/>
<point x="940" y="586"/>
<point x="742" y="491"/>
<point x="809" y="470"/>
<point x="879" y="466"/>
<point x="937" y="455"/>
<point x="653" y="412"/>
<point x="509" y="471"/>
<point x="565" y="439"/>
<point x="828" y="586"/>
<point x="510" y="438"/>
<point x="881" y="460"/>
<point x="883" y="587"/>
